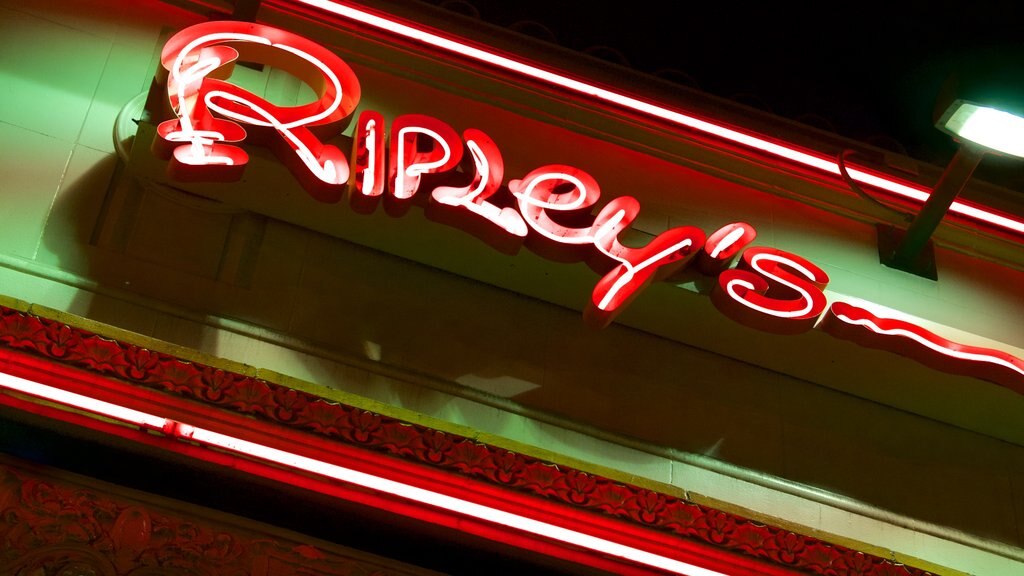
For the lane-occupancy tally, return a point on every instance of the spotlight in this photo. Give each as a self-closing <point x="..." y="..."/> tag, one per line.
<point x="979" y="130"/>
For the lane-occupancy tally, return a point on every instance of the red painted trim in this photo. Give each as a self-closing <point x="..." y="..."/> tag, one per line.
<point x="142" y="378"/>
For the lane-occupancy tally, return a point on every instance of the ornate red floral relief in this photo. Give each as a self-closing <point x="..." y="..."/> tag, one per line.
<point x="299" y="410"/>
<point x="55" y="526"/>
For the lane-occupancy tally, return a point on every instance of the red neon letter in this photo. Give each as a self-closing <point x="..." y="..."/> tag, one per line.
<point x="722" y="247"/>
<point x="490" y="169"/>
<point x="667" y="253"/>
<point x="772" y="290"/>
<point x="858" y="325"/>
<point x="191" y="57"/>
<point x="559" y="189"/>
<point x="368" y="155"/>
<point x="567" y="190"/>
<point x="420" y="145"/>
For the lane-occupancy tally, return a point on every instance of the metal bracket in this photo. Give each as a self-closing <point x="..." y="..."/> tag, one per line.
<point x="923" y="264"/>
<point x="907" y="250"/>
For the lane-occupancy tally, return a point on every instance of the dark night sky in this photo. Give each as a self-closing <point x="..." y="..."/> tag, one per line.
<point x="870" y="70"/>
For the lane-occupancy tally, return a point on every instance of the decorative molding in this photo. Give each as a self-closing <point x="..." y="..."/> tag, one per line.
<point x="466" y="457"/>
<point x="54" y="526"/>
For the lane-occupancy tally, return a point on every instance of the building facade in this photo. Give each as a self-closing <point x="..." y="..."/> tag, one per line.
<point x="474" y="305"/>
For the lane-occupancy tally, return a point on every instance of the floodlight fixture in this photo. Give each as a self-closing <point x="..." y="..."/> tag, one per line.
<point x="992" y="129"/>
<point x="979" y="130"/>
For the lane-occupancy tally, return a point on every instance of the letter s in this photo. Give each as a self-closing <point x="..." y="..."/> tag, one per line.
<point x="772" y="290"/>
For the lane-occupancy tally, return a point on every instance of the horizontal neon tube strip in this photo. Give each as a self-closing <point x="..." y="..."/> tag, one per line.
<point x="653" y="110"/>
<point x="335" y="472"/>
<point x="81" y="402"/>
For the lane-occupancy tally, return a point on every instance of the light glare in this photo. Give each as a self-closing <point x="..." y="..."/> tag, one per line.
<point x="991" y="128"/>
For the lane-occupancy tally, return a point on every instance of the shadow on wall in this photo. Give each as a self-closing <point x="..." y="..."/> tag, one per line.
<point x="180" y="267"/>
<point x="135" y="247"/>
<point x="399" y="328"/>
<point x="186" y="269"/>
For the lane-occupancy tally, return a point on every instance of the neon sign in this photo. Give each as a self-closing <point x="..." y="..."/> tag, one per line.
<point x="549" y="208"/>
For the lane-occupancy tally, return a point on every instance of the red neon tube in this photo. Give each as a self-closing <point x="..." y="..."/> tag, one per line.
<point x="348" y="475"/>
<point x="749" y="140"/>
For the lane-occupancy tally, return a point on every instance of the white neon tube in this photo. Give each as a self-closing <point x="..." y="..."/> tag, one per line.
<point x="82" y="402"/>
